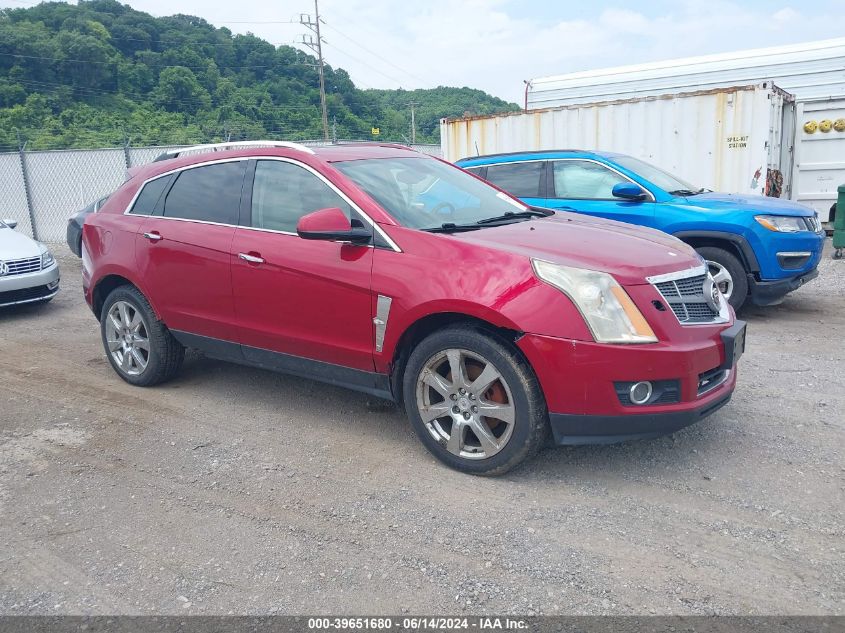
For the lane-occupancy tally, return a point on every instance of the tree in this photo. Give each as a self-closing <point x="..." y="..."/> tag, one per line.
<point x="179" y="91"/>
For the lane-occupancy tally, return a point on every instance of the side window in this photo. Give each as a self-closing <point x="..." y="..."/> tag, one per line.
<point x="147" y="200"/>
<point x="211" y="193"/>
<point x="584" y="179"/>
<point x="522" y="180"/>
<point x="284" y="192"/>
<point x="476" y="171"/>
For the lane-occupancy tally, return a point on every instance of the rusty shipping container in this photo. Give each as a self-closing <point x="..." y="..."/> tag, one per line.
<point x="724" y="139"/>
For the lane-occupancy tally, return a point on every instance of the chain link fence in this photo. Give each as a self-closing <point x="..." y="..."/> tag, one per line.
<point x="40" y="190"/>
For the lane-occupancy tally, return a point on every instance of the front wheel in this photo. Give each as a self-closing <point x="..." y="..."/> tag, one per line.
<point x="474" y="401"/>
<point x="139" y="347"/>
<point x="728" y="273"/>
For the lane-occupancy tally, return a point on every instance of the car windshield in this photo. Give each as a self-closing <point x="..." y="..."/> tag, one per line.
<point x="657" y="176"/>
<point x="424" y="193"/>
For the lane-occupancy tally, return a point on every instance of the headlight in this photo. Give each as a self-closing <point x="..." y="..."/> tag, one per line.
<point x="608" y="310"/>
<point x="781" y="223"/>
<point x="46" y="257"/>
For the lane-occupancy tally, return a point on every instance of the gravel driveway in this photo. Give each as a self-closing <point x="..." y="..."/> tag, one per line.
<point x="235" y="490"/>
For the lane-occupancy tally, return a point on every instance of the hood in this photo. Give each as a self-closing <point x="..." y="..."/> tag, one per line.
<point x="755" y="204"/>
<point x="14" y="245"/>
<point x="628" y="252"/>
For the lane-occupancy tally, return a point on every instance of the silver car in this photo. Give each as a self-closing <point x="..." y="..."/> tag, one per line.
<point x="28" y="271"/>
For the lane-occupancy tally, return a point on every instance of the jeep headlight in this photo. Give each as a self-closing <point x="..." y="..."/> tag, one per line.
<point x="47" y="258"/>
<point x="781" y="223"/>
<point x="607" y="309"/>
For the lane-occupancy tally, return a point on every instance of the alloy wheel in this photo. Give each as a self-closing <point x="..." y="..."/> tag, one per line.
<point x="722" y="278"/>
<point x="127" y="338"/>
<point x="465" y="404"/>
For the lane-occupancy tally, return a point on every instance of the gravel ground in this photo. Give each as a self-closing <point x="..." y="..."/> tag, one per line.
<point x="235" y="490"/>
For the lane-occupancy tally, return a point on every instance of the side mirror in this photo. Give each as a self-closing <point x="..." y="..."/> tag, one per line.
<point x="10" y="223"/>
<point x="333" y="226"/>
<point x="628" y="191"/>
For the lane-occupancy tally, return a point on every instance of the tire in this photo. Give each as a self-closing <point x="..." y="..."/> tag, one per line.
<point x="163" y="353"/>
<point x="721" y="261"/>
<point x="514" y="395"/>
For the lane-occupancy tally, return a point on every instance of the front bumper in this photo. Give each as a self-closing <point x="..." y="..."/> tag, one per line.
<point x="578" y="381"/>
<point x="29" y="288"/>
<point x="610" y="429"/>
<point x="766" y="293"/>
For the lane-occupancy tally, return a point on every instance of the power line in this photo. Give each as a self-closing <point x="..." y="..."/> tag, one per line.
<point x="377" y="55"/>
<point x="139" y="96"/>
<point x="363" y="63"/>
<point x="94" y="61"/>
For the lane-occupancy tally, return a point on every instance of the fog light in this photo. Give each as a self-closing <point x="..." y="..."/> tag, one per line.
<point x="640" y="392"/>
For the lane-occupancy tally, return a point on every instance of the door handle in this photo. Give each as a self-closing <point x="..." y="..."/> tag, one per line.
<point x="252" y="259"/>
<point x="153" y="236"/>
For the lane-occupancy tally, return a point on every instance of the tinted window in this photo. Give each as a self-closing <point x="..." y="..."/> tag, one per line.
<point x="584" y="179"/>
<point x="474" y="170"/>
<point x="519" y="179"/>
<point x="284" y="192"/>
<point x="211" y="193"/>
<point x="145" y="204"/>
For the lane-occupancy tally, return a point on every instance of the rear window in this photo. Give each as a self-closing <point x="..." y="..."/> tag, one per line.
<point x="147" y="200"/>
<point x="522" y="180"/>
<point x="211" y="193"/>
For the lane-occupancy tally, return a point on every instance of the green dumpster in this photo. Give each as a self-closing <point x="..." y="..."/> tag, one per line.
<point x="839" y="224"/>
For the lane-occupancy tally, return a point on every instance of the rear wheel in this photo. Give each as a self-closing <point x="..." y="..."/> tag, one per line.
<point x="139" y="347"/>
<point x="474" y="401"/>
<point x="728" y="273"/>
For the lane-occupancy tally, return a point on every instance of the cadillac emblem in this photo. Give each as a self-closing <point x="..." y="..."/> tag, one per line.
<point x="712" y="294"/>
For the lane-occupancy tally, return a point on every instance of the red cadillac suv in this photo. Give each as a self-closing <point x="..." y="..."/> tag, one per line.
<point x="494" y="325"/>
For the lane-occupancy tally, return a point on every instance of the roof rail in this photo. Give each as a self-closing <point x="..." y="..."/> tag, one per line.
<point x="218" y="147"/>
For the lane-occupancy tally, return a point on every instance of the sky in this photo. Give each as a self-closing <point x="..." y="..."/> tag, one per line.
<point x="496" y="44"/>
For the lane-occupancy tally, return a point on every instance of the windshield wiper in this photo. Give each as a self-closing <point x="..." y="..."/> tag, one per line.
<point x="687" y="192"/>
<point x="451" y="227"/>
<point x="517" y="215"/>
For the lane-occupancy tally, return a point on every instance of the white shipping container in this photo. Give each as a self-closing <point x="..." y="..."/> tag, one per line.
<point x="819" y="155"/>
<point x="723" y="139"/>
<point x="814" y="72"/>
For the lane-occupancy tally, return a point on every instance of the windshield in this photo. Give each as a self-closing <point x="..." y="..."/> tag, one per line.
<point x="657" y="176"/>
<point x="424" y="193"/>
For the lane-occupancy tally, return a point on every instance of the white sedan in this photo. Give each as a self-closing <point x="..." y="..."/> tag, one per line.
<point x="28" y="271"/>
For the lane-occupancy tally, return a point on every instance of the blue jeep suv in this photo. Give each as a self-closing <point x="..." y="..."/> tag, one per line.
<point x="757" y="248"/>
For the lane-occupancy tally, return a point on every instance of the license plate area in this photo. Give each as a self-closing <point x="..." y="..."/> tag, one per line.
<point x="734" y="341"/>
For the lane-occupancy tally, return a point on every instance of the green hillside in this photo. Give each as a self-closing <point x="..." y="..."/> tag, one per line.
<point x="100" y="73"/>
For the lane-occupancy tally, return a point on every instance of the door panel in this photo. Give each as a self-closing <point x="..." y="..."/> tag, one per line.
<point x="187" y="274"/>
<point x="305" y="298"/>
<point x="183" y="247"/>
<point x="586" y="187"/>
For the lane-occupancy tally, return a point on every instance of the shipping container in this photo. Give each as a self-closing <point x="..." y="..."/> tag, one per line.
<point x="813" y="72"/>
<point x="724" y="139"/>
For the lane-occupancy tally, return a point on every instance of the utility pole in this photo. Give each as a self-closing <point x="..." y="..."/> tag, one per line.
<point x="317" y="47"/>
<point x="413" y="124"/>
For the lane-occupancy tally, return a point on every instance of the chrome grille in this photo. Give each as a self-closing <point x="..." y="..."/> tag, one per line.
<point x="684" y="292"/>
<point x="23" y="266"/>
<point x="814" y="224"/>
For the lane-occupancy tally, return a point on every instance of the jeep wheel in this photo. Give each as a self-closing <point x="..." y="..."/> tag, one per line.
<point x="139" y="347"/>
<point x="474" y="401"/>
<point x="728" y="273"/>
